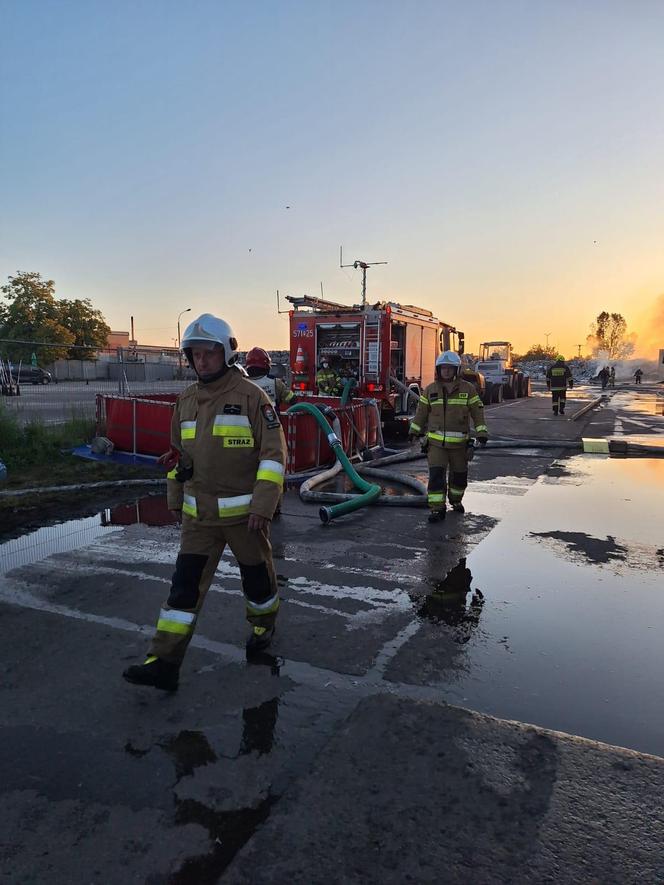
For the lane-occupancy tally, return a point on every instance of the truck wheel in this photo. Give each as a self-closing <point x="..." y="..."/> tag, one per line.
<point x="509" y="390"/>
<point x="526" y="386"/>
<point x="488" y="393"/>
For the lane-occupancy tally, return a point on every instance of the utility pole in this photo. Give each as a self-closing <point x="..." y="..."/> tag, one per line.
<point x="364" y="265"/>
<point x="546" y="335"/>
<point x="579" y="346"/>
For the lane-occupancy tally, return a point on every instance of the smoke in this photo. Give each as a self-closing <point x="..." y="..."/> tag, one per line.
<point x="651" y="339"/>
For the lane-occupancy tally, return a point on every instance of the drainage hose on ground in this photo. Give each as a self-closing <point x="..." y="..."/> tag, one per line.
<point x="369" y="491"/>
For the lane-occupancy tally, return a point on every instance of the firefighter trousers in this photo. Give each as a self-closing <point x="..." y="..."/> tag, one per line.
<point x="201" y="547"/>
<point x="442" y="461"/>
<point x="558" y="400"/>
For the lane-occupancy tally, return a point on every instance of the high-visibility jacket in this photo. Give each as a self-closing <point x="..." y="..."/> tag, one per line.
<point x="443" y="413"/>
<point x="276" y="390"/>
<point x="558" y="376"/>
<point x="327" y="382"/>
<point x="229" y="433"/>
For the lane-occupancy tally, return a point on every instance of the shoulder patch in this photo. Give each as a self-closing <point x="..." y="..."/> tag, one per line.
<point x="270" y="416"/>
<point x="232" y="409"/>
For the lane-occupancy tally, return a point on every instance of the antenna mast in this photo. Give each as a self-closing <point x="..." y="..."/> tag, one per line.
<point x="364" y="265"/>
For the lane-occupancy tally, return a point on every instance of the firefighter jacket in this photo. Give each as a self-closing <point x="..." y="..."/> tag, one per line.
<point x="232" y="452"/>
<point x="443" y="412"/>
<point x="276" y="390"/>
<point x="327" y="382"/>
<point x="558" y="376"/>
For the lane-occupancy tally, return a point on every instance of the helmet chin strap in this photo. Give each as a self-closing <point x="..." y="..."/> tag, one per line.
<point x="215" y="376"/>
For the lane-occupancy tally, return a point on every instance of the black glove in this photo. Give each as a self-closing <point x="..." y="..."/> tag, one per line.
<point x="470" y="450"/>
<point x="184" y="474"/>
<point x="482" y="440"/>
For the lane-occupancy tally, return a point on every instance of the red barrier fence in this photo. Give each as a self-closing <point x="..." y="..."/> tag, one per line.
<point x="142" y="425"/>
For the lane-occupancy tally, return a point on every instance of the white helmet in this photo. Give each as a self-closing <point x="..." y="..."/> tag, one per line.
<point x="448" y="358"/>
<point x="210" y="330"/>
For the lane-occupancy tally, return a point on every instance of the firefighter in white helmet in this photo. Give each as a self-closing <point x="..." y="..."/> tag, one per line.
<point x="226" y="472"/>
<point x="442" y="416"/>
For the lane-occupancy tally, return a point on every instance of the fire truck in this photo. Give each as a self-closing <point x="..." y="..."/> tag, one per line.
<point x="388" y="349"/>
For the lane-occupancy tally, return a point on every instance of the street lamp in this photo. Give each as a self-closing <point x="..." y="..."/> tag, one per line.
<point x="186" y="310"/>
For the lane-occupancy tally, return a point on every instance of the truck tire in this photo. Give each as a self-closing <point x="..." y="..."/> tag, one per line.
<point x="526" y="385"/>
<point x="497" y="393"/>
<point x="488" y="393"/>
<point x="509" y="389"/>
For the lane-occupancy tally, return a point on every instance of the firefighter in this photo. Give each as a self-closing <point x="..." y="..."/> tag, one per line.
<point x="442" y="414"/>
<point x="612" y="376"/>
<point x="638" y="375"/>
<point x="226" y="472"/>
<point x="327" y="380"/>
<point x="258" y="368"/>
<point x="558" y="377"/>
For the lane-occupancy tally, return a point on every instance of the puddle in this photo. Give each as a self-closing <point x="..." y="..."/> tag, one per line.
<point x="189" y="750"/>
<point x="570" y="630"/>
<point x="74" y="534"/>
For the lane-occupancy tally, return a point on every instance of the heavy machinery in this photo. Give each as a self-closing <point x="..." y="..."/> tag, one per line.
<point x="386" y="350"/>
<point x="495" y="363"/>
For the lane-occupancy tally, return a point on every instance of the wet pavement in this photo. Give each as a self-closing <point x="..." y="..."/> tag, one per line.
<point x="326" y="759"/>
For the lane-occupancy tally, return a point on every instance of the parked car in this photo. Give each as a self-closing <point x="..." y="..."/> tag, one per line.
<point x="31" y="374"/>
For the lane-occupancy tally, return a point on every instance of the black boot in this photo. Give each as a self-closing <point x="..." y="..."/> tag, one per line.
<point x="437" y="516"/>
<point x="555" y="411"/>
<point x="458" y="507"/>
<point x="155" y="673"/>
<point x="259" y="639"/>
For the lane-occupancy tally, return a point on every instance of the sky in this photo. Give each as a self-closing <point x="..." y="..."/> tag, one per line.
<point x="504" y="158"/>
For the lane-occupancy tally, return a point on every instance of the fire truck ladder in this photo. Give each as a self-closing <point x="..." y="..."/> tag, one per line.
<point x="371" y="361"/>
<point x="316" y="303"/>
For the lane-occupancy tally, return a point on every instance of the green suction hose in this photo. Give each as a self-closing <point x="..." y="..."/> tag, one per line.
<point x="370" y="491"/>
<point x="348" y="389"/>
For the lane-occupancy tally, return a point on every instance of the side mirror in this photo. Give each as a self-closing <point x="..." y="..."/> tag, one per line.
<point x="462" y="339"/>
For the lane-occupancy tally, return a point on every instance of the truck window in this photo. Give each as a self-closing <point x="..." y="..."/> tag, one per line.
<point x="339" y="343"/>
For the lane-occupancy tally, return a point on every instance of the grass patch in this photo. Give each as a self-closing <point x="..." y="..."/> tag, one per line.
<point x="38" y="455"/>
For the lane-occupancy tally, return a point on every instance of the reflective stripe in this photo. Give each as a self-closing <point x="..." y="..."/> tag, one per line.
<point x="423" y="399"/>
<point x="473" y="400"/>
<point x="450" y="437"/>
<point x="188" y="429"/>
<point x="174" y="621"/>
<point x="481" y="428"/>
<point x="457" y="401"/>
<point x="289" y="396"/>
<point x="263" y="608"/>
<point x="414" y="426"/>
<point x="236" y="426"/>
<point x="436" y="498"/>
<point x="238" y="505"/>
<point x="272" y="471"/>
<point x="231" y="421"/>
<point x="189" y="505"/>
<point x="453" y="491"/>
<point x="172" y="473"/>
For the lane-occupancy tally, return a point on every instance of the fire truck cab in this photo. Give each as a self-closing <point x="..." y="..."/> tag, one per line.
<point x="386" y="348"/>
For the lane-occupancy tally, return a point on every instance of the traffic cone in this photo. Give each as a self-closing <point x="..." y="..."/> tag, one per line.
<point x="300" y="366"/>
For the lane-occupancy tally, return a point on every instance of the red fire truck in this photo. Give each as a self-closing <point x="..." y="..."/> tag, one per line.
<point x="387" y="348"/>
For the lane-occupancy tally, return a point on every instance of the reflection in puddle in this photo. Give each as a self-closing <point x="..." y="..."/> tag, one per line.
<point x="258" y="728"/>
<point x="448" y="603"/>
<point x="189" y="750"/>
<point x="73" y="534"/>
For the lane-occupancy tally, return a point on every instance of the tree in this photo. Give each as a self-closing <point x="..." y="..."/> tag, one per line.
<point x="537" y="353"/>
<point x="86" y="324"/>
<point x="609" y="336"/>
<point x="32" y="315"/>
